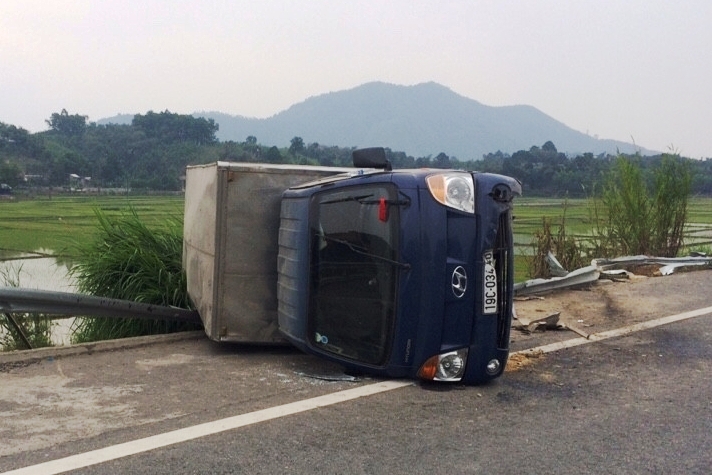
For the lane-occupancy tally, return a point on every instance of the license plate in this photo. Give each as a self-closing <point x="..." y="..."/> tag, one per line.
<point x="490" y="284"/>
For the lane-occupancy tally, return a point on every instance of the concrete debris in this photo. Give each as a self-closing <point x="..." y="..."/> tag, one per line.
<point x="550" y="322"/>
<point x="576" y="330"/>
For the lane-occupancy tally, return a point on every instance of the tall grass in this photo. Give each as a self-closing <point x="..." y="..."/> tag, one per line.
<point x="642" y="219"/>
<point x="569" y="251"/>
<point x="127" y="260"/>
<point x="630" y="218"/>
<point x="673" y="182"/>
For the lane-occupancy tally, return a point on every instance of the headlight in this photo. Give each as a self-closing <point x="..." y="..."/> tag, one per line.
<point x="445" y="367"/>
<point x="454" y="189"/>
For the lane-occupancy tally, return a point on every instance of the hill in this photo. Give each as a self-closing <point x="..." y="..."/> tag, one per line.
<point x="421" y="120"/>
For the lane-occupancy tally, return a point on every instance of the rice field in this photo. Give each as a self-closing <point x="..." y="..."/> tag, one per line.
<point x="579" y="215"/>
<point x="55" y="226"/>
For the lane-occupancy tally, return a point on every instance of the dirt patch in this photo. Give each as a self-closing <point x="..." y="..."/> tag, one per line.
<point x="574" y="313"/>
<point x="651" y="270"/>
<point x="597" y="307"/>
<point x="518" y="361"/>
<point x="607" y="305"/>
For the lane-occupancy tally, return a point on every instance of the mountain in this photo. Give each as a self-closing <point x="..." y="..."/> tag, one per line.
<point x="420" y="120"/>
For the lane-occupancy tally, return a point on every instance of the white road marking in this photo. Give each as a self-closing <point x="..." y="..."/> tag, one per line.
<point x="133" y="447"/>
<point x="126" y="449"/>
<point x="617" y="332"/>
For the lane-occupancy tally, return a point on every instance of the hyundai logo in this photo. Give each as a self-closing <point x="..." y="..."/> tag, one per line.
<point x="459" y="281"/>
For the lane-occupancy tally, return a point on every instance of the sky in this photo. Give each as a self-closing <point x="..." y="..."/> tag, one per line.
<point x="633" y="70"/>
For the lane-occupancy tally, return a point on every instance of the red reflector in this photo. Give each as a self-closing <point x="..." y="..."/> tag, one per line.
<point x="383" y="210"/>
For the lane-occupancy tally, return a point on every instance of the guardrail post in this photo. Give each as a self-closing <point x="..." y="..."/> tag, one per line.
<point x="16" y="325"/>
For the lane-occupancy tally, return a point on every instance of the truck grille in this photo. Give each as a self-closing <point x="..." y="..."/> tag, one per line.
<point x="505" y="277"/>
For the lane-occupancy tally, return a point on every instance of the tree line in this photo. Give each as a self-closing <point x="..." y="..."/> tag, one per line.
<point x="152" y="152"/>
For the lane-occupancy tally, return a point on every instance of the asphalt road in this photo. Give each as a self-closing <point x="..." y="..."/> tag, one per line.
<point x="639" y="403"/>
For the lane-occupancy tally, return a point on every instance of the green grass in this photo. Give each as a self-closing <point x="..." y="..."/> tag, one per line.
<point x="59" y="224"/>
<point x="528" y="214"/>
<point x="700" y="210"/>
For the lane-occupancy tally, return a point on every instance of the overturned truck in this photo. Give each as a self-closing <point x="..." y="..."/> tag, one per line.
<point x="400" y="273"/>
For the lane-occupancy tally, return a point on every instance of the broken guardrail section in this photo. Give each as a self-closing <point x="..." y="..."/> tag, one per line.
<point x="608" y="268"/>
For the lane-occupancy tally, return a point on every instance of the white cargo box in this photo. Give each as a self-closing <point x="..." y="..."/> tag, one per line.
<point x="230" y="244"/>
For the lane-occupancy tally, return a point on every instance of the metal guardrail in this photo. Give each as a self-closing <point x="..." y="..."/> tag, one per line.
<point x="601" y="267"/>
<point x="19" y="300"/>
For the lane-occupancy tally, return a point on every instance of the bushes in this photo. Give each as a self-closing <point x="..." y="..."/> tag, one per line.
<point x="562" y="244"/>
<point x="643" y="219"/>
<point x="632" y="216"/>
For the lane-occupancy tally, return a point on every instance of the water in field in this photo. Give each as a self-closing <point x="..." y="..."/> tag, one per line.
<point x="38" y="271"/>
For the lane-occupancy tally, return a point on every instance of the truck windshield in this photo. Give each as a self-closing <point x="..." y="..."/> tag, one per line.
<point x="353" y="271"/>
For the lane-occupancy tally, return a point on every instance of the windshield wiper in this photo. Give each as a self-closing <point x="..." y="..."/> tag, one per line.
<point x="405" y="202"/>
<point x="362" y="200"/>
<point x="361" y="251"/>
<point x="358" y="199"/>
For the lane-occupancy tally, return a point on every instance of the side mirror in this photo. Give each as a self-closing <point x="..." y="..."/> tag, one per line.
<point x="374" y="157"/>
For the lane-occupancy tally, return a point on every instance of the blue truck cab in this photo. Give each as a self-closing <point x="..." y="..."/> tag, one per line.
<point x="400" y="273"/>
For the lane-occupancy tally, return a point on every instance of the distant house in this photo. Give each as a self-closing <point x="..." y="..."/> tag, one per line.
<point x="78" y="183"/>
